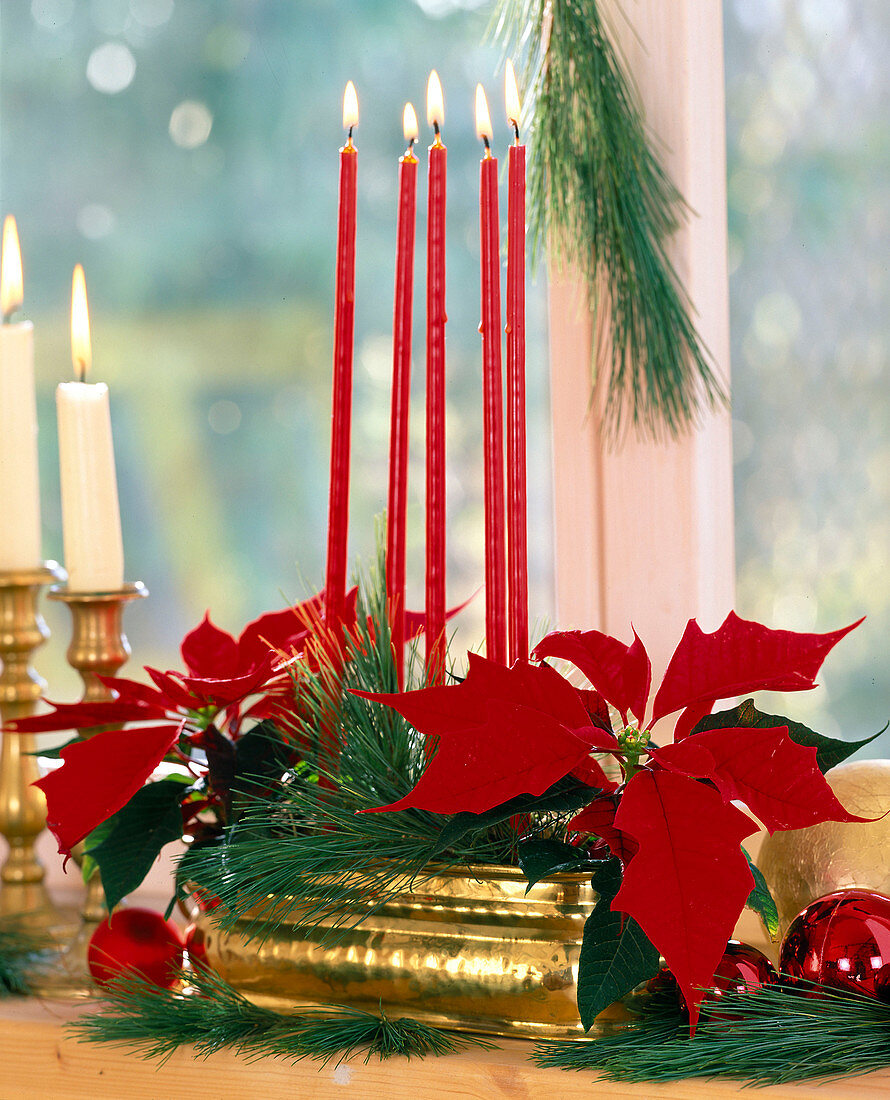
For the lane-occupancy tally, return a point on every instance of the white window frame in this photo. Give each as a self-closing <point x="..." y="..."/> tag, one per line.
<point x="643" y="533"/>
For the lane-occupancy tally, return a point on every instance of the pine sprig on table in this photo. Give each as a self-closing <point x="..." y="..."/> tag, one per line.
<point x="776" y="1035"/>
<point x="601" y="201"/>
<point x="210" y="1015"/>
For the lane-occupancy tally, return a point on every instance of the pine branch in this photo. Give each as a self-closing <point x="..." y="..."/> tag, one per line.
<point x="210" y="1015"/>
<point x="774" y="1036"/>
<point x="23" y="953"/>
<point x="310" y="840"/>
<point x="600" y="199"/>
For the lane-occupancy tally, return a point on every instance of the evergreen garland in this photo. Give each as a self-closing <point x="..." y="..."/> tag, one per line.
<point x="208" y="1014"/>
<point x="601" y="201"/>
<point x="776" y="1035"/>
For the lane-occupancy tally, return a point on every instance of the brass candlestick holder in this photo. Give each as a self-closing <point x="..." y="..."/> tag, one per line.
<point x="98" y="647"/>
<point x="22" y="806"/>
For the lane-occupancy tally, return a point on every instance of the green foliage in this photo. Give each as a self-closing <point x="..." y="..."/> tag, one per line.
<point x="129" y="842"/>
<point x="55" y="753"/>
<point x="561" y="800"/>
<point x="776" y="1035"/>
<point x="545" y="856"/>
<point x="600" y="200"/>
<point x="616" y="955"/>
<point x="88" y="865"/>
<point x="210" y="1015"/>
<point x="762" y="901"/>
<point x="830" y="751"/>
<point x="260" y="758"/>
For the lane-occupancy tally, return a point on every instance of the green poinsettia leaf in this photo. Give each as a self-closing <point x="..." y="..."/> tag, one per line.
<point x="55" y="752"/>
<point x="261" y="756"/>
<point x="88" y="865"/>
<point x="543" y="856"/>
<point x="135" y="836"/>
<point x="829" y="750"/>
<point x="616" y="954"/>
<point x="762" y="901"/>
<point x="564" y="797"/>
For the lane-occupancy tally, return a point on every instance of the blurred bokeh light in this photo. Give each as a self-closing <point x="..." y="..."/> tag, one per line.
<point x="809" y="220"/>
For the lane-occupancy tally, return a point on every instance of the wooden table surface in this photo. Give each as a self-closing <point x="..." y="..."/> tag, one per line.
<point x="38" y="1060"/>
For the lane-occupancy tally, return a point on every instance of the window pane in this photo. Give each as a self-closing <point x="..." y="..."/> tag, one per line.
<point x="186" y="154"/>
<point x="809" y="219"/>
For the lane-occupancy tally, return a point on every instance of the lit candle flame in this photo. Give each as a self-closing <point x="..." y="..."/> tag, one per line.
<point x="511" y="92"/>
<point x="435" y="102"/>
<point x="81" y="352"/>
<point x="409" y="124"/>
<point x="350" y="107"/>
<point x="10" y="269"/>
<point x="483" y="118"/>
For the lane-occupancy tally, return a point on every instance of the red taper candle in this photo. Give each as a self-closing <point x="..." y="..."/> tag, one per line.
<point x="435" y="388"/>
<point x="517" y="525"/>
<point x="493" y="415"/>
<point x="344" y="329"/>
<point x="397" y="507"/>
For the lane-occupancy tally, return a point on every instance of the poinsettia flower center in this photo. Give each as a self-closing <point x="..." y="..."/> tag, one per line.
<point x="633" y="742"/>
<point x="202" y="716"/>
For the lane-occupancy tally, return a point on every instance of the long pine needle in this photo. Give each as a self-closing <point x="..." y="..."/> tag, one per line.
<point x="776" y="1035"/>
<point x="209" y="1015"/>
<point x="601" y="202"/>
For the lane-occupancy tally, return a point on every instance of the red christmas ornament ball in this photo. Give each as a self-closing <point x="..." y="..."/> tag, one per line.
<point x="136" y="943"/>
<point x="743" y="969"/>
<point x="664" y="988"/>
<point x="842" y="941"/>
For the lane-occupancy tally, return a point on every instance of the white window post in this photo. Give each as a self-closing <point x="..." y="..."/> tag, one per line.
<point x="644" y="533"/>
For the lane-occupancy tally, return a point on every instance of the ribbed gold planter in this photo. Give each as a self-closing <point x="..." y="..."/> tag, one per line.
<point x="468" y="950"/>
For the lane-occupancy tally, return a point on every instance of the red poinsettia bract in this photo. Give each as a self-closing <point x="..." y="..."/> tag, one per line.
<point x="504" y="732"/>
<point x="227" y="680"/>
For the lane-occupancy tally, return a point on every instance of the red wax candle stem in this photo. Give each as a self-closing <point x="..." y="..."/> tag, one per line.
<point x="396" y="514"/>
<point x="435" y="415"/>
<point x="517" y="524"/>
<point x="493" y="417"/>
<point x="344" y="326"/>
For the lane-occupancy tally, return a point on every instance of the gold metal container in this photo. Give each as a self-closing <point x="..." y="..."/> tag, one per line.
<point x="468" y="950"/>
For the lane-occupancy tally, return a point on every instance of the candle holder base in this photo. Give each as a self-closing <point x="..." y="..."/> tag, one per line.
<point x="22" y="805"/>
<point x="68" y="978"/>
<point x="31" y="903"/>
<point x="98" y="648"/>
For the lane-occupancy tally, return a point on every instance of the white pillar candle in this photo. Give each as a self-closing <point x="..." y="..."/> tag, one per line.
<point x="19" y="484"/>
<point x="91" y="521"/>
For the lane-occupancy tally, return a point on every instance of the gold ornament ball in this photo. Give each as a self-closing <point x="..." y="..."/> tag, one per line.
<point x="801" y="865"/>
